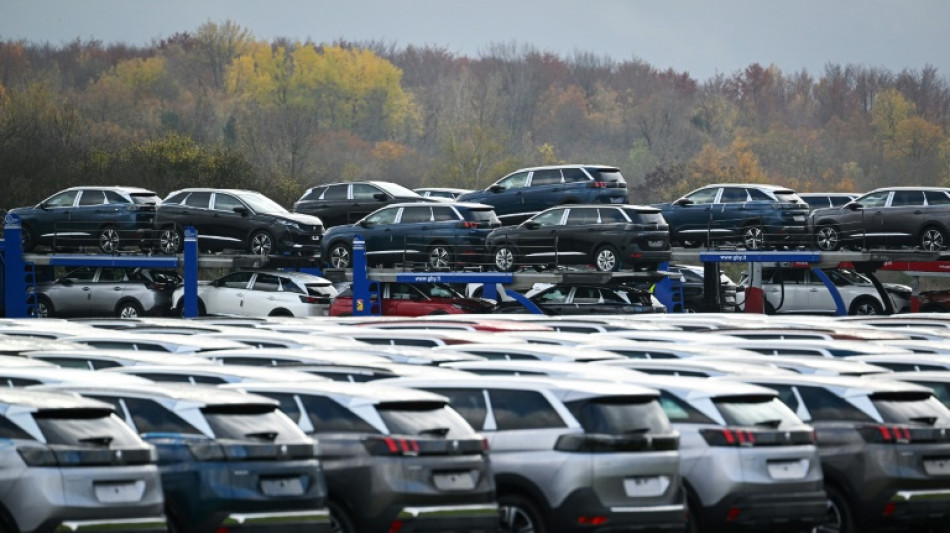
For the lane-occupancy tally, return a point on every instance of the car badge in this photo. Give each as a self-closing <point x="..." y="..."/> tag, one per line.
<point x="283" y="449"/>
<point x="118" y="456"/>
<point x="455" y="445"/>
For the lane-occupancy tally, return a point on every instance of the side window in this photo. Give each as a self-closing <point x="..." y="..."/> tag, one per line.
<point x="103" y="363"/>
<point x="237" y="280"/>
<point x="65" y="362"/>
<point x="514" y="181"/>
<point x="549" y="218"/>
<point x="384" y="216"/>
<point x="9" y="430"/>
<point x="611" y="216"/>
<point x="441" y="214"/>
<point x="416" y="215"/>
<point x="92" y="198"/>
<point x="314" y="194"/>
<point x="198" y="199"/>
<point x="678" y="410"/>
<point x="545" y="177"/>
<point x="470" y="403"/>
<point x="574" y="175"/>
<point x="555" y="295"/>
<point x="515" y="409"/>
<point x="63" y="199"/>
<point x="336" y="192"/>
<point x="874" y="199"/>
<point x="82" y="274"/>
<point x="363" y="191"/>
<point x="327" y="416"/>
<point x="226" y="202"/>
<point x="733" y="195"/>
<point x="288" y="404"/>
<point x="113" y="197"/>
<point x="266" y="283"/>
<point x="580" y="216"/>
<point x="150" y="417"/>
<point x="907" y="198"/>
<point x="704" y="196"/>
<point x="758" y="196"/>
<point x="937" y="198"/>
<point x="111" y="275"/>
<point x="825" y="405"/>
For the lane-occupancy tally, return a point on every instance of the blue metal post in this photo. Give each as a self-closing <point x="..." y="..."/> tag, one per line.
<point x="840" y="309"/>
<point x="362" y="299"/>
<point x="190" y="285"/>
<point x="663" y="290"/>
<point x="14" y="280"/>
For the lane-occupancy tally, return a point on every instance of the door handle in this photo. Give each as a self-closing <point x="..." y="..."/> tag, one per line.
<point x="87" y="289"/>
<point x="918" y="211"/>
<point x="117" y="289"/>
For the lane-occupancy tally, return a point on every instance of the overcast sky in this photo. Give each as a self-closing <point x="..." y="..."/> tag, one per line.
<point x="701" y="37"/>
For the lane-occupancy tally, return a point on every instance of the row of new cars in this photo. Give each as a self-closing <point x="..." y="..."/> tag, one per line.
<point x="505" y="423"/>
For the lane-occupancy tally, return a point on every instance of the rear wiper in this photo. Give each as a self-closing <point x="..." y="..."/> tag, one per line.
<point x="102" y="441"/>
<point x="929" y="420"/>
<point x="769" y="423"/>
<point x="264" y="435"/>
<point x="438" y="432"/>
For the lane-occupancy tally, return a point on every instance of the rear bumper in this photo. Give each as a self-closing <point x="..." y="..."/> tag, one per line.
<point x="132" y="525"/>
<point x="315" y="521"/>
<point x="771" y="511"/>
<point x="914" y="509"/>
<point x="449" y="518"/>
<point x="670" y="515"/>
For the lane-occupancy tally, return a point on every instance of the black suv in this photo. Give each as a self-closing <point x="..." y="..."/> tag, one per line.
<point x="893" y="216"/>
<point x="608" y="237"/>
<point x="235" y="219"/>
<point x="107" y="217"/>
<point x="529" y="191"/>
<point x="345" y="203"/>
<point x="441" y="234"/>
<point x="753" y="215"/>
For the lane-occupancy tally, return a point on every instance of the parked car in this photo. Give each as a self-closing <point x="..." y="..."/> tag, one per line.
<point x="438" y="235"/>
<point x="234" y="219"/>
<point x="227" y="459"/>
<point x="529" y="191"/>
<point x="883" y="447"/>
<point x="693" y="284"/>
<point x="917" y="217"/>
<point x="572" y="455"/>
<point x="820" y="200"/>
<point x="587" y="299"/>
<point x="69" y="464"/>
<point x="753" y="215"/>
<point x="444" y="193"/>
<point x="346" y="203"/>
<point x="107" y="291"/>
<point x="395" y="459"/>
<point x="934" y="301"/>
<point x="608" y="237"/>
<point x="800" y="290"/>
<point x="109" y="218"/>
<point x="262" y="293"/>
<point x="414" y="299"/>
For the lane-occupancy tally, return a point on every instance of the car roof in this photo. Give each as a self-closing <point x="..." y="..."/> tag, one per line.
<point x="125" y="357"/>
<point x="35" y="400"/>
<point x="349" y="394"/>
<point x="118" y="188"/>
<point x="292" y="274"/>
<point x="551" y="167"/>
<point x="906" y="188"/>
<point x="750" y="186"/>
<point x="567" y="369"/>
<point x="846" y="386"/>
<point x="465" y="205"/>
<point x="214" y="189"/>
<point x="56" y="375"/>
<point x="197" y="394"/>
<point x="566" y="388"/>
<point x="287" y="374"/>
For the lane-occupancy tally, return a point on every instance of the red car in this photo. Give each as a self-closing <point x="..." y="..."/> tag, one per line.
<point x="415" y="299"/>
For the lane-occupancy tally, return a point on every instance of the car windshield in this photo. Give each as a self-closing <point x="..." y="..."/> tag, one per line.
<point x="84" y="427"/>
<point x="262" y="204"/>
<point x="321" y="289"/>
<point x="438" y="290"/>
<point x="251" y="422"/>
<point x="914" y="408"/>
<point x="620" y="415"/>
<point x="423" y="418"/>
<point x="848" y="276"/>
<point x="763" y="411"/>
<point x="395" y="189"/>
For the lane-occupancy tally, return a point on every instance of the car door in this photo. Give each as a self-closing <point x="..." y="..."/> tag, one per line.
<point x="406" y="300"/>
<point x="864" y="222"/>
<point x="902" y="219"/>
<point x="230" y="220"/>
<point x="507" y="197"/>
<point x="378" y="230"/>
<point x="264" y="295"/>
<point x="545" y="189"/>
<point x="334" y="206"/>
<point x="411" y="232"/>
<point x="537" y="240"/>
<point x="109" y="287"/>
<point x="786" y="290"/>
<point x="579" y="235"/>
<point x="690" y="217"/>
<point x="89" y="213"/>
<point x="54" y="223"/>
<point x="226" y="294"/>
<point x="195" y="211"/>
<point x="71" y="293"/>
<point x="729" y="212"/>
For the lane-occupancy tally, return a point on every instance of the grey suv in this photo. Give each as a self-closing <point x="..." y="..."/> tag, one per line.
<point x="395" y="459"/>
<point x="107" y="291"/>
<point x="69" y="464"/>
<point x="572" y="455"/>
<point x="752" y="215"/>
<point x="884" y="447"/>
<point x="529" y="191"/>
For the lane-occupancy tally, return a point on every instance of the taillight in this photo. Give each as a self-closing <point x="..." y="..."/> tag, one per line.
<point x="728" y="437"/>
<point x="885" y="434"/>
<point x="591" y="520"/>
<point x="597" y="185"/>
<point x="391" y="446"/>
<point x="745" y="437"/>
<point x="307" y="299"/>
<point x="467" y="225"/>
<point x="70" y="456"/>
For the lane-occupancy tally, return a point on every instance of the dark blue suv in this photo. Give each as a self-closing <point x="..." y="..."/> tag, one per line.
<point x="528" y="191"/>
<point x="441" y="234"/>
<point x="753" y="215"/>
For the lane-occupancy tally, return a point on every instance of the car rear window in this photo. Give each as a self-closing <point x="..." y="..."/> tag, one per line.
<point x="84" y="427"/>
<point x="9" y="430"/>
<point x="426" y="418"/>
<point x="678" y="410"/>
<point x="640" y="217"/>
<point x="911" y="407"/>
<point x="763" y="411"/>
<point x="620" y="415"/>
<point x="610" y="175"/>
<point x="482" y="215"/>
<point x="251" y="422"/>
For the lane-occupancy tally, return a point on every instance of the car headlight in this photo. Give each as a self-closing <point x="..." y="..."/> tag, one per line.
<point x="289" y="223"/>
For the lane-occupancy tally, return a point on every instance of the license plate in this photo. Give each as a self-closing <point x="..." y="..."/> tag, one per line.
<point x="618" y="200"/>
<point x="315" y="237"/>
<point x="655" y="244"/>
<point x="798" y="218"/>
<point x="644" y="487"/>
<point x="125" y="491"/>
<point x="796" y="469"/>
<point x="937" y="467"/>
<point x="454" y="481"/>
<point x="288" y="486"/>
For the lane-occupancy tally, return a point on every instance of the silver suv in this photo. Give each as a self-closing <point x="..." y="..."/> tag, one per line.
<point x="573" y="455"/>
<point x="69" y="464"/>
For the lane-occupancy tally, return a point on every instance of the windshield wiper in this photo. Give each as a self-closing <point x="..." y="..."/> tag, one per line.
<point x="438" y="432"/>
<point x="929" y="420"/>
<point x="769" y="423"/>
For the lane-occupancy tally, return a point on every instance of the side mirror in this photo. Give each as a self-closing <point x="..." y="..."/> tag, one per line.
<point x="853" y="206"/>
<point x="243" y="211"/>
<point x="381" y="196"/>
<point x="496" y="188"/>
<point x="683" y="201"/>
<point x="66" y="281"/>
<point x="532" y="225"/>
<point x="364" y="224"/>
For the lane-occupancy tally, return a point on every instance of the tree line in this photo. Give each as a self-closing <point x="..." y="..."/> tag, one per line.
<point x="218" y="107"/>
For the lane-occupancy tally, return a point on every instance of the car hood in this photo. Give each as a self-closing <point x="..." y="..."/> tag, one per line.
<point x="308" y="220"/>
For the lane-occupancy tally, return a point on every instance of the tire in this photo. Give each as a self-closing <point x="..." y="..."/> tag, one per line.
<point x="933" y="239"/>
<point x="827" y="238"/>
<point x="606" y="259"/>
<point x="27" y="239"/>
<point x="505" y="259"/>
<point x="753" y="237"/>
<point x="280" y="312"/>
<point x="840" y="517"/>
<point x="109" y="240"/>
<point x="180" y="308"/>
<point x="768" y="307"/>
<point x="440" y="257"/>
<point x="340" y="521"/>
<point x="44" y="307"/>
<point x="340" y="256"/>
<point x="866" y="305"/>
<point x="128" y="309"/>
<point x="261" y="243"/>
<point x="519" y="515"/>
<point x="170" y="241"/>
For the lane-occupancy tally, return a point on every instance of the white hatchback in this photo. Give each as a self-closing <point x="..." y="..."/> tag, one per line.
<point x="262" y="293"/>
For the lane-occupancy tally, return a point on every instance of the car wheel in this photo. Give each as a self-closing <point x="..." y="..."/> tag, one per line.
<point x="839" y="519"/>
<point x="261" y="243"/>
<point x="933" y="239"/>
<point x="827" y="238"/>
<point x="440" y="257"/>
<point x="769" y="308"/>
<point x="340" y="521"/>
<point x="27" y="238"/>
<point x="128" y="309"/>
<point x="170" y="241"/>
<point x="519" y="515"/>
<point x="753" y="237"/>
<point x="866" y="306"/>
<point x="340" y="256"/>
<point x="280" y="312"/>
<point x="44" y="308"/>
<point x="505" y="259"/>
<point x="109" y="240"/>
<point x="606" y="259"/>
